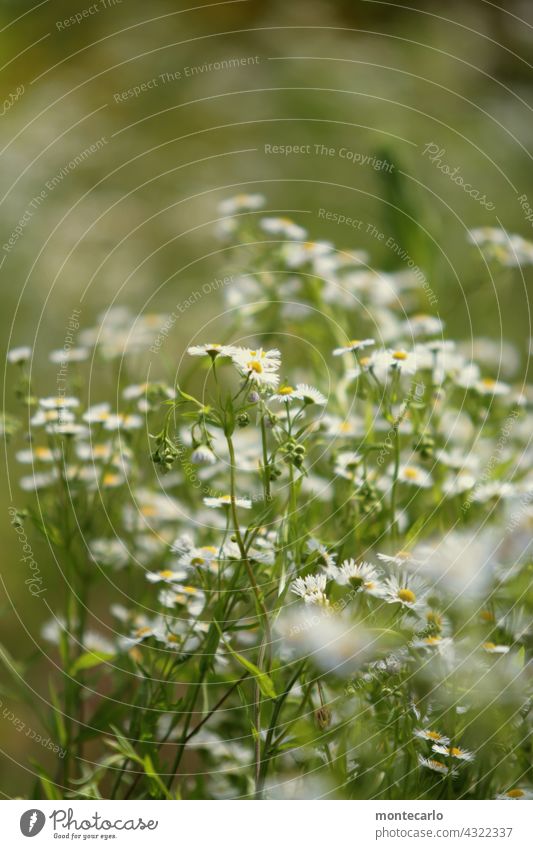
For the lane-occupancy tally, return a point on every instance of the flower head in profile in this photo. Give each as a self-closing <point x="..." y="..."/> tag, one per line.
<point x="353" y="345"/>
<point x="453" y="752"/>
<point x="432" y="736"/>
<point x="312" y="589"/>
<point x="211" y="349"/>
<point x="241" y="203"/>
<point x="226" y="501"/>
<point x="362" y="577"/>
<point x="19" y="355"/>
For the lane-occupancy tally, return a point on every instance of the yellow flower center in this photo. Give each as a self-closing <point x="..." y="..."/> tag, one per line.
<point x="255" y="365"/>
<point x="406" y="595"/>
<point x="488" y="382"/>
<point x="142" y="632"/>
<point x="345" y="427"/>
<point x="516" y="793"/>
<point x="369" y="585"/>
<point x="455" y="751"/>
<point x="434" y="619"/>
<point x="109" y="479"/>
<point x="190" y="590"/>
<point x="489" y="646"/>
<point x="399" y="355"/>
<point x="354" y="342"/>
<point x="404" y="555"/>
<point x="172" y="638"/>
<point x="364" y="361"/>
<point x="166" y="573"/>
<point x="197" y="561"/>
<point x="433" y="735"/>
<point x="410" y="473"/>
<point x="42" y="452"/>
<point x="286" y="390"/>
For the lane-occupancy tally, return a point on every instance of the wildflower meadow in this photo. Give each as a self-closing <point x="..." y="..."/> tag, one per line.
<point x="295" y="561"/>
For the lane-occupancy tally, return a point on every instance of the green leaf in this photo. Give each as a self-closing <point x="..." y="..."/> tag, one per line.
<point x="264" y="681"/>
<point x="88" y="660"/>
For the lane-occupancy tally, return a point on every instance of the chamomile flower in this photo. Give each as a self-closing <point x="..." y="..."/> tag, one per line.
<point x="488" y="386"/>
<point x="183" y="596"/>
<point x="433" y="642"/>
<point x="257" y="365"/>
<point x="405" y="590"/>
<point x="423" y="325"/>
<point x="298" y="254"/>
<point x="60" y="402"/>
<point x="45" y="417"/>
<point x="401" y="558"/>
<point x="310" y="395"/>
<point x="353" y="345"/>
<point x="362" y="577"/>
<point x="69" y="355"/>
<point x="285" y="394"/>
<point x="167" y="576"/>
<point x="453" y="752"/>
<point x="516" y="794"/>
<point x="495" y="648"/>
<point x="325" y="558"/>
<point x="432" y="736"/>
<point x="19" y="355"/>
<point x="399" y="360"/>
<point x="241" y="203"/>
<point x="211" y="349"/>
<point x="312" y="589"/>
<point x="415" y="476"/>
<point x="39" y="454"/>
<point x="283" y="227"/>
<point x="37" y="481"/>
<point x="436" y="766"/>
<point x="226" y="500"/>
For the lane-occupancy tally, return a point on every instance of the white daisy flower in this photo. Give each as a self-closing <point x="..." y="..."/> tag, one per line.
<point x="433" y="642"/>
<point x="384" y="362"/>
<point x="19" y="355"/>
<point x="241" y="203"/>
<point x="353" y="345"/>
<point x="362" y="576"/>
<point x="461" y="482"/>
<point x="183" y="596"/>
<point x="67" y="428"/>
<point x="285" y="394"/>
<point x="39" y="480"/>
<point x="283" y="227"/>
<point x="167" y="576"/>
<point x="404" y="590"/>
<point x="44" y="417"/>
<point x="225" y="501"/>
<point x="211" y="349"/>
<point x="415" y="476"/>
<point x="298" y="254"/>
<point x="109" y="552"/>
<point x="311" y="589"/>
<point x="70" y="355"/>
<point x="97" y="413"/>
<point x="516" y="793"/>
<point x="422" y="325"/>
<point x="453" y="752"/>
<point x="431" y="736"/>
<point x="488" y="386"/>
<point x="495" y="648"/>
<point x="258" y="366"/>
<point x="401" y="558"/>
<point x="436" y="766"/>
<point x="327" y="560"/>
<point x="59" y="403"/>
<point x="310" y="395"/>
<point x="41" y="454"/>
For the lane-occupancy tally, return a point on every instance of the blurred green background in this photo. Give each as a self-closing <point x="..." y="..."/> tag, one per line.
<point x="132" y="223"/>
